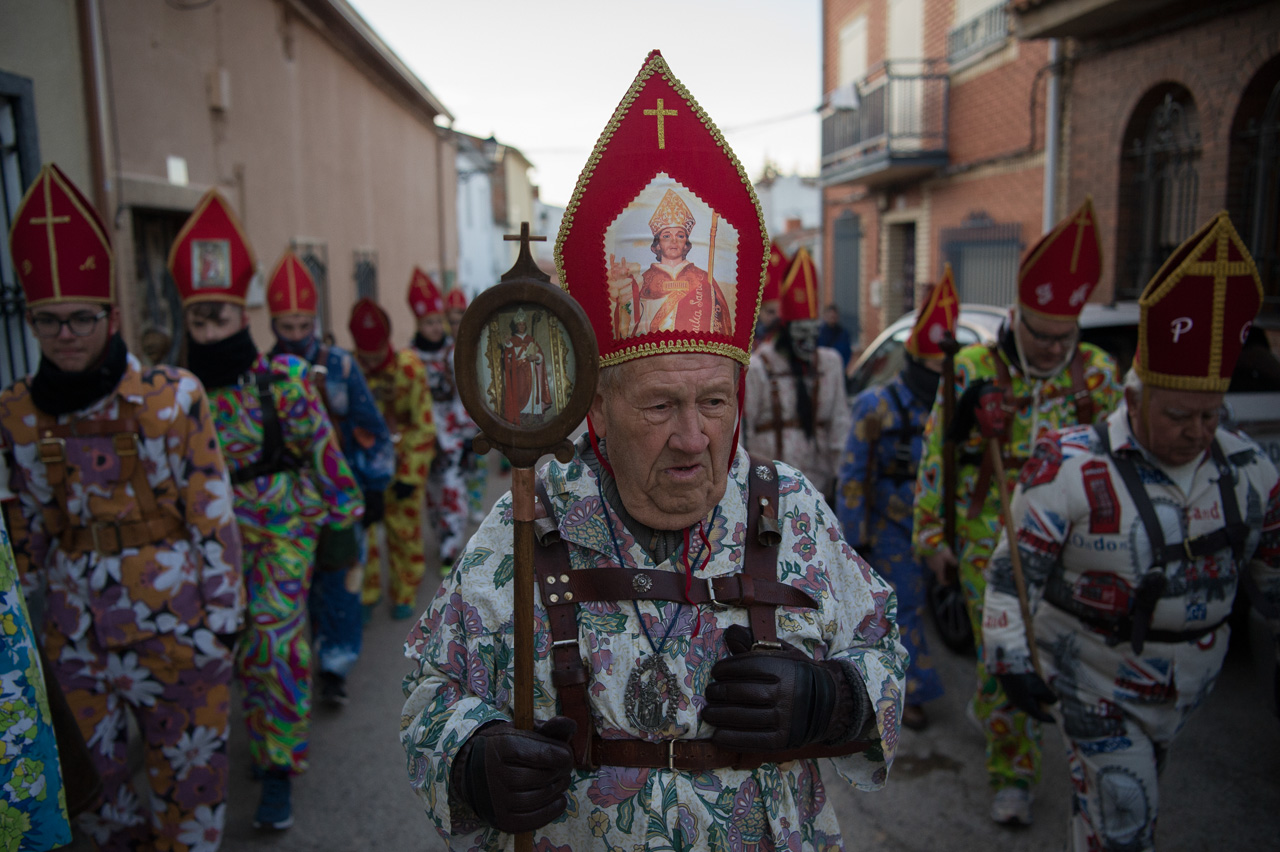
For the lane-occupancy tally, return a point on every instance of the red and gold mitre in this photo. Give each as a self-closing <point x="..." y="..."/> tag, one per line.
<point x="661" y="163"/>
<point x="799" y="290"/>
<point x="370" y="326"/>
<point x="424" y="295"/>
<point x="1197" y="311"/>
<point x="774" y="274"/>
<point x="936" y="320"/>
<point x="59" y="246"/>
<point x="291" y="289"/>
<point x="1056" y="277"/>
<point x="455" y="300"/>
<point x="211" y="260"/>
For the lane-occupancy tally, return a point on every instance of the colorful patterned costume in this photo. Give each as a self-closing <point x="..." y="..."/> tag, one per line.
<point x="404" y="398"/>
<point x="878" y="524"/>
<point x="1013" y="741"/>
<point x="280" y="515"/>
<point x="33" y="807"/>
<point x="366" y="443"/>
<point x="1085" y="549"/>
<point x="134" y="631"/>
<point x="463" y="649"/>
<point x="769" y="423"/>
<point x="447" y="500"/>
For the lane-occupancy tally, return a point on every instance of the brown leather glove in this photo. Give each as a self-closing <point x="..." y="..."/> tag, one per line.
<point x="1029" y="693"/>
<point x="516" y="780"/>
<point x="773" y="700"/>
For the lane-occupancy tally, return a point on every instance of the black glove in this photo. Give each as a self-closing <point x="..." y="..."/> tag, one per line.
<point x="516" y="780"/>
<point x="769" y="700"/>
<point x="965" y="417"/>
<point x="1027" y="692"/>
<point x="375" y="508"/>
<point x="403" y="490"/>
<point x="338" y="548"/>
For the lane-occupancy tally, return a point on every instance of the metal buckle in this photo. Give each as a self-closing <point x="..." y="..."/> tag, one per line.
<point x="711" y="593"/>
<point x="97" y="544"/>
<point x="1186" y="548"/>
<point x="51" y="449"/>
<point x="671" y="755"/>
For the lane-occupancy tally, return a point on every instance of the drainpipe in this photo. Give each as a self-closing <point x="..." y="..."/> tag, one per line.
<point x="1052" y="124"/>
<point x="91" y="59"/>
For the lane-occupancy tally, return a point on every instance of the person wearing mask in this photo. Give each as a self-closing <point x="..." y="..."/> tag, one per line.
<point x="1047" y="379"/>
<point x="334" y="601"/>
<point x="123" y="530"/>
<point x="290" y="481"/>
<point x="878" y="482"/>
<point x="398" y="381"/>
<point x="796" y="407"/>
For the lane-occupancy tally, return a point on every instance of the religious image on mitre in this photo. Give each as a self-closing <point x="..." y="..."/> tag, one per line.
<point x="672" y="292"/>
<point x="1196" y="312"/>
<point x="663" y="241"/>
<point x="211" y="259"/>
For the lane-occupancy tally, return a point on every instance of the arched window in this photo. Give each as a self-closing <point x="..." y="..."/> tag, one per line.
<point x="1159" y="185"/>
<point x="1253" y="191"/>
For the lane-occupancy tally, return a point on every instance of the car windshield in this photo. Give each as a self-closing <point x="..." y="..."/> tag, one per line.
<point x="889" y="357"/>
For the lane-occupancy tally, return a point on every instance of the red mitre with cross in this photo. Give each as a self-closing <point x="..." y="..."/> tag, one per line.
<point x="663" y="242"/>
<point x="370" y="326"/>
<point x="211" y="260"/>
<point x="59" y="246"/>
<point x="773" y="276"/>
<point x="937" y="320"/>
<point x="455" y="300"/>
<point x="1197" y="311"/>
<point x="1056" y="277"/>
<point x="291" y="289"/>
<point x="424" y="295"/>
<point x="799" y="291"/>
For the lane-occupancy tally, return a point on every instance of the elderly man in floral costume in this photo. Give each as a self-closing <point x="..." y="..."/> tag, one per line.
<point x="1134" y="537"/>
<point x="290" y="480"/>
<point x="878" y="482"/>
<point x="1041" y="377"/>
<point x="124" y="527"/>
<point x="700" y="679"/>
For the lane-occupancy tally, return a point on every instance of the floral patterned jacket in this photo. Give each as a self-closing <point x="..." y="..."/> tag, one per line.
<point x="168" y="587"/>
<point x="463" y="648"/>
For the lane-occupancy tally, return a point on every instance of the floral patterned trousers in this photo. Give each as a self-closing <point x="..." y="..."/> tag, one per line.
<point x="178" y="690"/>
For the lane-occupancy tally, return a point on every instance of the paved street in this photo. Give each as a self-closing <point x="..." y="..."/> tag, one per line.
<point x="1221" y="781"/>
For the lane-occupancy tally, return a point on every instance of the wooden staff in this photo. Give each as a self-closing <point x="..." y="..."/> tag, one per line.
<point x="1019" y="579"/>
<point x="522" y="502"/>
<point x="949" y="346"/>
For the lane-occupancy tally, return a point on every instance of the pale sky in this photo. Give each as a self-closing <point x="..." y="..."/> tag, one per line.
<point x="544" y="77"/>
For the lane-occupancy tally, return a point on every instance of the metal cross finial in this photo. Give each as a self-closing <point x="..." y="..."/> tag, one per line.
<point x="661" y="114"/>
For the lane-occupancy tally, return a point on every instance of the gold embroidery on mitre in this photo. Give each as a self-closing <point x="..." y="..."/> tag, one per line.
<point x="90" y="262"/>
<point x="661" y="114"/>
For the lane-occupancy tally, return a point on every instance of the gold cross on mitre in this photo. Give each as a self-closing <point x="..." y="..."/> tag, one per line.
<point x="661" y="114"/>
<point x="1220" y="269"/>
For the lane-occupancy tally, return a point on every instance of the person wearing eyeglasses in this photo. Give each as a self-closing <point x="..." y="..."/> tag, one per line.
<point x="1157" y="517"/>
<point x="1040" y="377"/>
<point x="124" y="535"/>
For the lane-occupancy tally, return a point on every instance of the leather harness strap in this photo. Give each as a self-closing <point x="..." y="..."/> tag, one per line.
<point x="276" y="457"/>
<point x="562" y="588"/>
<point x="111" y="536"/>
<point x="1079" y="395"/>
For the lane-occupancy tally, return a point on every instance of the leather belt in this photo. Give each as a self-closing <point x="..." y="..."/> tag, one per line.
<point x="110" y="538"/>
<point x="621" y="584"/>
<point x="701" y="755"/>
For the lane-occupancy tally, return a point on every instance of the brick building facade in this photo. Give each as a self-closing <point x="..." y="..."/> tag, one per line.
<point x="933" y="151"/>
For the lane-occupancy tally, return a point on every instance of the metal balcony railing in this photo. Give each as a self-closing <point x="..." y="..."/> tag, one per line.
<point x="901" y="114"/>
<point x="978" y="33"/>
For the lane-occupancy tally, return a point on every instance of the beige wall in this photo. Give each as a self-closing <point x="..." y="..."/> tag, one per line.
<point x="309" y="145"/>
<point x="40" y="40"/>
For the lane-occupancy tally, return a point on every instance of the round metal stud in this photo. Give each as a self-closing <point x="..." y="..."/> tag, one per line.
<point x="551" y="580"/>
<point x="641" y="583"/>
<point x="554" y="599"/>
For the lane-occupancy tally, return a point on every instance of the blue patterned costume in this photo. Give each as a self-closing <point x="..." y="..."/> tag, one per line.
<point x="366" y="442"/>
<point x="878" y="525"/>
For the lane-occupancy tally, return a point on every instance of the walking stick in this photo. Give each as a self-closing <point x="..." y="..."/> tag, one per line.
<point x="1019" y="580"/>
<point x="949" y="346"/>
<point x="526" y="287"/>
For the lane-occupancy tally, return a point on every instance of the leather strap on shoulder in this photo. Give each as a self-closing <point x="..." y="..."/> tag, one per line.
<point x="1080" y="390"/>
<point x="764" y="534"/>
